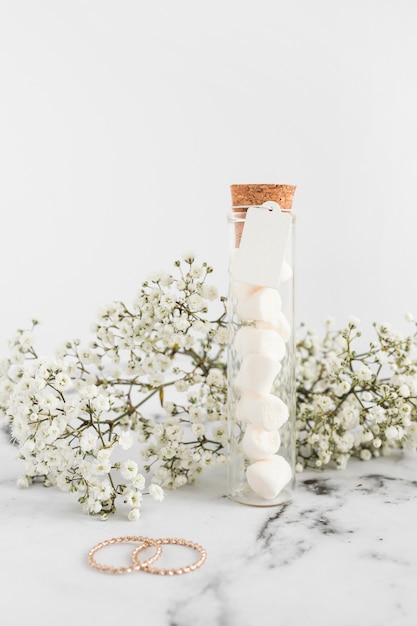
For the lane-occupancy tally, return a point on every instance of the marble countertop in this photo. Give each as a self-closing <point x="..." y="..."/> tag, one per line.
<point x="343" y="552"/>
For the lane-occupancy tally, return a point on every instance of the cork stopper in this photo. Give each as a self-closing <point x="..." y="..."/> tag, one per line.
<point x="248" y="195"/>
<point x="252" y="195"/>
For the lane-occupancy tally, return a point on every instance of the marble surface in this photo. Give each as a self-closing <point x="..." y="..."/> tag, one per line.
<point x="343" y="552"/>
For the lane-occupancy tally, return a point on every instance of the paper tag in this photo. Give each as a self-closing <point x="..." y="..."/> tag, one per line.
<point x="262" y="248"/>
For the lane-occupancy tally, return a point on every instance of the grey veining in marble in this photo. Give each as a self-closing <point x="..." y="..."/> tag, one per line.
<point x="343" y="552"/>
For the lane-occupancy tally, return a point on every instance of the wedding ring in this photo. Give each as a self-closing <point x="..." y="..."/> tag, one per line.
<point x="145" y="565"/>
<point x="145" y="542"/>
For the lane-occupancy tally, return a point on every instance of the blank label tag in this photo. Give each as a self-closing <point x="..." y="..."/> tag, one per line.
<point x="262" y="248"/>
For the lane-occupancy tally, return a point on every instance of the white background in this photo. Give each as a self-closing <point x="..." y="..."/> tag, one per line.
<point x="123" y="123"/>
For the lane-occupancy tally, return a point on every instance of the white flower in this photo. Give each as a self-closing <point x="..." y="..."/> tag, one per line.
<point x="363" y="372"/>
<point x="323" y="403"/>
<point x="404" y="391"/>
<point x="353" y="321"/>
<point x="181" y="385"/>
<point x="101" y="403"/>
<point x="333" y="362"/>
<point x="345" y="443"/>
<point x="209" y="292"/>
<point x="139" y="482"/>
<point x="23" y="482"/>
<point x="48" y="402"/>
<point x="366" y="436"/>
<point x="405" y="410"/>
<point x="349" y="416"/>
<point x="382" y="357"/>
<point x="72" y="408"/>
<point x="25" y="339"/>
<point x="101" y="466"/>
<point x="365" y="454"/>
<point x="199" y="326"/>
<point x="28" y="447"/>
<point x="125" y="440"/>
<point x="195" y="413"/>
<point x="181" y="323"/>
<point x="215" y="378"/>
<point x="103" y="490"/>
<point x="376" y="413"/>
<point x="385" y="328"/>
<point x="188" y="257"/>
<point x="198" y="429"/>
<point x="392" y="433"/>
<point x="173" y="431"/>
<point x="92" y="506"/>
<point x="196" y="302"/>
<point x="55" y="429"/>
<point x="342" y="388"/>
<point x="129" y="469"/>
<point x="37" y="383"/>
<point x="156" y="379"/>
<point x="88" y="440"/>
<point x="179" y="481"/>
<point x="156" y="492"/>
<point x="134" y="514"/>
<point x="221" y="336"/>
<point x="168" y="452"/>
<point x="196" y="272"/>
<point x="62" y="381"/>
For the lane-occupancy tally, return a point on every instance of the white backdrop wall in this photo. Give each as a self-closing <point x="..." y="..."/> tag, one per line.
<point x="123" y="123"/>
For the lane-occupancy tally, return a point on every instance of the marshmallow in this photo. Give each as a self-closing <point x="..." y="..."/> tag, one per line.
<point x="242" y="291"/>
<point x="269" y="476"/>
<point x="258" y="443"/>
<point x="263" y="304"/>
<point x="277" y="323"/>
<point x="267" y="412"/>
<point x="266" y="342"/>
<point x="257" y="374"/>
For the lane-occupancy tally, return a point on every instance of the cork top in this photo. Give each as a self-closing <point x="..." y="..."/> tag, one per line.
<point x="249" y="195"/>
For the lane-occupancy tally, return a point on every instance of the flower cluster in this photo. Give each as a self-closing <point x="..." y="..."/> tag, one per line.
<point x="355" y="401"/>
<point x="77" y="418"/>
<point x="142" y="407"/>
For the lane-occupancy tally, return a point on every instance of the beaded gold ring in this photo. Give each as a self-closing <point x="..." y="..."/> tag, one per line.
<point x="145" y="565"/>
<point x="145" y="542"/>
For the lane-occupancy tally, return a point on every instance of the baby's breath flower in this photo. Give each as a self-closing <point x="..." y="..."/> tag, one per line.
<point x="73" y="418"/>
<point x="353" y="321"/>
<point x="365" y="399"/>
<point x="157" y="492"/>
<point x="129" y="470"/>
<point x="154" y="376"/>
<point x="365" y="454"/>
<point x="134" y="514"/>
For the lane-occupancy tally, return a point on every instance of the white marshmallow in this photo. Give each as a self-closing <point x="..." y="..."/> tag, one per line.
<point x="268" y="412"/>
<point x="278" y="324"/>
<point x="258" y="443"/>
<point x="263" y="304"/>
<point x="286" y="272"/>
<point x="257" y="374"/>
<point x="269" y="476"/>
<point x="268" y="342"/>
<point x="242" y="291"/>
